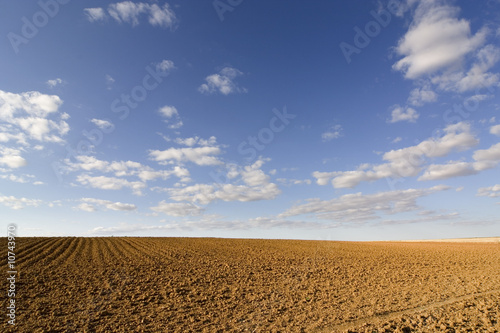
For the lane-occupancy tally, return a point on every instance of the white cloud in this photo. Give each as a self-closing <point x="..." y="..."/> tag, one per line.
<point x="405" y="162"/>
<point x="206" y="193"/>
<point x="172" y="116"/>
<point x="125" y="168"/>
<point x="163" y="17"/>
<point x="54" y="82"/>
<point x="449" y="170"/>
<point x="18" y="203"/>
<point x="492" y="191"/>
<point x="165" y="65"/>
<point x="420" y="96"/>
<point x="102" y="123"/>
<point x="130" y="12"/>
<point x="437" y="39"/>
<point x="334" y="133"/>
<point x="491" y="154"/>
<point x="110" y="183"/>
<point x="396" y="140"/>
<point x="360" y="207"/>
<point x="95" y="14"/>
<point x="26" y="115"/>
<point x="323" y="178"/>
<point x="177" y="209"/>
<point x="478" y="75"/>
<point x="14" y="178"/>
<point x="198" y="155"/>
<point x="286" y="181"/>
<point x="168" y="111"/>
<point x="403" y="114"/>
<point x="11" y="157"/>
<point x="86" y="207"/>
<point x="192" y="141"/>
<point x="127" y="11"/>
<point x="91" y="205"/>
<point x="222" y="82"/>
<point x="495" y="130"/>
<point x="249" y="183"/>
<point x="23" y="179"/>
<point x="484" y="159"/>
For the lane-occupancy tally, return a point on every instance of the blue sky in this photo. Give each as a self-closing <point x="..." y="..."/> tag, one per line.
<point x="353" y="120"/>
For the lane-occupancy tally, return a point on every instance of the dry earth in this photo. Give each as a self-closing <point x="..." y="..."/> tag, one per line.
<point x="235" y="285"/>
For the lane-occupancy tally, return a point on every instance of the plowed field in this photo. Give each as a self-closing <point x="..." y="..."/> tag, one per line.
<point x="235" y="285"/>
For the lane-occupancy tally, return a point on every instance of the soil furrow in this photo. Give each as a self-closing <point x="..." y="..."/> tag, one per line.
<point x="31" y="250"/>
<point x="37" y="255"/>
<point x="26" y="244"/>
<point x="52" y="258"/>
<point x="395" y="314"/>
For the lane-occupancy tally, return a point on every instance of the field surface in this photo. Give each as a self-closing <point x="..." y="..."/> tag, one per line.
<point x="232" y="285"/>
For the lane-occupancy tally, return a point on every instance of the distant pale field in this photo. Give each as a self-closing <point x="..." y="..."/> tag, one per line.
<point x="460" y="240"/>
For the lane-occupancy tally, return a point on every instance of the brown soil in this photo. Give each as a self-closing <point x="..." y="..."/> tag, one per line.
<point x="234" y="285"/>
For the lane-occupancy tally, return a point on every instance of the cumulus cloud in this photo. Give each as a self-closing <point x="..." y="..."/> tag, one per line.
<point x="22" y="179"/>
<point x="91" y="205"/>
<point x="286" y="181"/>
<point x="95" y="14"/>
<point x="437" y="39"/>
<point x="248" y="183"/>
<point x="165" y="65"/>
<point x="222" y="82"/>
<point x="492" y="191"/>
<point x="439" y="48"/>
<point x="197" y="155"/>
<point x="491" y="154"/>
<point x="177" y="208"/>
<point x="397" y="139"/>
<point x="333" y="133"/>
<point x="449" y="170"/>
<point x="131" y="13"/>
<point x="192" y="141"/>
<point x="27" y="116"/>
<point x="495" y="130"/>
<point x="125" y="169"/>
<point x="171" y="116"/>
<point x="478" y="75"/>
<point x="18" y="203"/>
<point x="420" y="96"/>
<point x="403" y="114"/>
<point x="11" y="157"/>
<point x="54" y="82"/>
<point x="484" y="159"/>
<point x="102" y="124"/>
<point x="405" y="162"/>
<point x="360" y="207"/>
<point x="110" y="183"/>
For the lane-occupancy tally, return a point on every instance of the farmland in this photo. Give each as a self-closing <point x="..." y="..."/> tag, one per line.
<point x="125" y="284"/>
